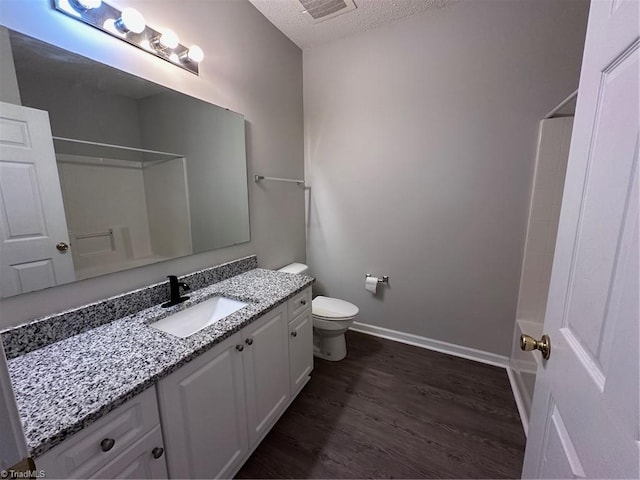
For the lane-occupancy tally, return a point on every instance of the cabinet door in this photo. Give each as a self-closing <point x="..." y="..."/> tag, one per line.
<point x="202" y="407"/>
<point x="144" y="459"/>
<point x="300" y="351"/>
<point x="266" y="361"/>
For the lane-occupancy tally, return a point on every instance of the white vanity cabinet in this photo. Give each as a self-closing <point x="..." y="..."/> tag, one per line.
<point x="203" y="411"/>
<point x="213" y="411"/>
<point x="218" y="407"/>
<point x="300" y="340"/>
<point x="125" y="443"/>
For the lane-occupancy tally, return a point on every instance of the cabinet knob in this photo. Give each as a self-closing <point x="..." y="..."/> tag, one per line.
<point x="157" y="452"/>
<point x="107" y="444"/>
<point x="303" y="302"/>
<point x="294" y="334"/>
<point x="249" y="341"/>
<point x="239" y="347"/>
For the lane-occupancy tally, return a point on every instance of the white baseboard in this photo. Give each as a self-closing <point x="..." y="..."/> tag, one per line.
<point x="431" y="344"/>
<point x="521" y="402"/>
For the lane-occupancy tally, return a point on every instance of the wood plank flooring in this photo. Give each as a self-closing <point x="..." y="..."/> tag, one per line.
<point x="391" y="410"/>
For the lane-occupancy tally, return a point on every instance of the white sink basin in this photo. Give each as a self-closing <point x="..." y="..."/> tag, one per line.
<point x="187" y="322"/>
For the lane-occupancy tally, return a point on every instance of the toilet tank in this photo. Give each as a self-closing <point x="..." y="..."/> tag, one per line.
<point x="297" y="268"/>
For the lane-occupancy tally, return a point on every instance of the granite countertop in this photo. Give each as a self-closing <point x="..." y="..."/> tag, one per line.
<point x="65" y="386"/>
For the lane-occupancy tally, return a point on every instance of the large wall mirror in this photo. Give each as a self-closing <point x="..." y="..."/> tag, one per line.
<point x="102" y="171"/>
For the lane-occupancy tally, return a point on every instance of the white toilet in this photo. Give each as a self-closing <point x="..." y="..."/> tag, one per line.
<point x="331" y="319"/>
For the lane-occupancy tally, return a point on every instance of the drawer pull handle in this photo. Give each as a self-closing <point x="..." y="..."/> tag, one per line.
<point x="249" y="341"/>
<point x="303" y="302"/>
<point x="294" y="334"/>
<point x="157" y="452"/>
<point x="239" y="347"/>
<point x="107" y="444"/>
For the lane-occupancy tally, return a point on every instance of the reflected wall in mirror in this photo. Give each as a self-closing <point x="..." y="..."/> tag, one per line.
<point x="102" y="171"/>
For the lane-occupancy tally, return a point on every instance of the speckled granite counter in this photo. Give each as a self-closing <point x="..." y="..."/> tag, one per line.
<point x="65" y="386"/>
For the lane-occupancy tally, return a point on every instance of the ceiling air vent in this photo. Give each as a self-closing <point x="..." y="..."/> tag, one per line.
<point x="320" y="10"/>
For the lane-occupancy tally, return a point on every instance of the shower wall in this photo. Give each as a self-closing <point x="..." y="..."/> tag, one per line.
<point x="88" y="190"/>
<point x="554" y="139"/>
<point x="165" y="185"/>
<point x="122" y="214"/>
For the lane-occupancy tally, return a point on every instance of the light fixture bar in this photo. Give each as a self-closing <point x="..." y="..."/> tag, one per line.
<point x="112" y="21"/>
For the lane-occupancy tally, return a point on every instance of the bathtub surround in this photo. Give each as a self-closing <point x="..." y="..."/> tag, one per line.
<point x="544" y="214"/>
<point x="251" y="68"/>
<point x="54" y="328"/>
<point x="420" y="142"/>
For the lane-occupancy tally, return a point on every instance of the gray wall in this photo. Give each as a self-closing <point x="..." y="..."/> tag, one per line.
<point x="250" y="67"/>
<point x="80" y="111"/>
<point x="419" y="147"/>
<point x="9" y="92"/>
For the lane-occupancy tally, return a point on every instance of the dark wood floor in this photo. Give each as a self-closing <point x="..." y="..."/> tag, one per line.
<point x="391" y="410"/>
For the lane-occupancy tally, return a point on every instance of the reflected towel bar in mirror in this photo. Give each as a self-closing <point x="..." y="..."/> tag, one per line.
<point x="257" y="178"/>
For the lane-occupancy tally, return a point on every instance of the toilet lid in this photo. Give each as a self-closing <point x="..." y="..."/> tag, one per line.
<point x="333" y="308"/>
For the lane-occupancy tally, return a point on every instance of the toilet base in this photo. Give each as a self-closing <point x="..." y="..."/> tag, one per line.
<point x="333" y="348"/>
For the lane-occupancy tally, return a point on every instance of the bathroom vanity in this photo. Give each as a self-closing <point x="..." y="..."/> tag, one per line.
<point x="125" y="400"/>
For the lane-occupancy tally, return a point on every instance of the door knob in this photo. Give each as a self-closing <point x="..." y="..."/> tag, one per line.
<point x="528" y="343"/>
<point x="62" y="247"/>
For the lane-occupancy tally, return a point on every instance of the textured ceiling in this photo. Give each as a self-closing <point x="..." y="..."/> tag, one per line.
<point x="287" y="16"/>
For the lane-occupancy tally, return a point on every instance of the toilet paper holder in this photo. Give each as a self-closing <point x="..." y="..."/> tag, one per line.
<point x="384" y="279"/>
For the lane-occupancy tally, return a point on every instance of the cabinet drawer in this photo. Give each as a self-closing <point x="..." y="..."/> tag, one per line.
<point x="299" y="303"/>
<point x="84" y="453"/>
<point x="144" y="459"/>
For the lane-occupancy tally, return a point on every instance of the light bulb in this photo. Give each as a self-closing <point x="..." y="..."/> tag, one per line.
<point x="195" y="54"/>
<point x="130" y="21"/>
<point x="83" y="5"/>
<point x="168" y="39"/>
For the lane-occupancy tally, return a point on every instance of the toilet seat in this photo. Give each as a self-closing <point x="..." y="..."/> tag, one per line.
<point x="327" y="308"/>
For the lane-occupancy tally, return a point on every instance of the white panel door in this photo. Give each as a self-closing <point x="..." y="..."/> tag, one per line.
<point x="585" y="415"/>
<point x="266" y="371"/>
<point x="32" y="219"/>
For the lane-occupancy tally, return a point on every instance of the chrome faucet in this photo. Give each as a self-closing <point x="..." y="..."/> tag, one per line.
<point x="174" y="289"/>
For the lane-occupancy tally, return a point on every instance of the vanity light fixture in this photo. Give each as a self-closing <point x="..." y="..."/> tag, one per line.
<point x="193" y="54"/>
<point x="166" y="40"/>
<point x="82" y="5"/>
<point x="129" y="25"/>
<point x="130" y="20"/>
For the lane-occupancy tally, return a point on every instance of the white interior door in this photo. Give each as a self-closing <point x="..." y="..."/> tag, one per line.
<point x="585" y="413"/>
<point x="32" y="220"/>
